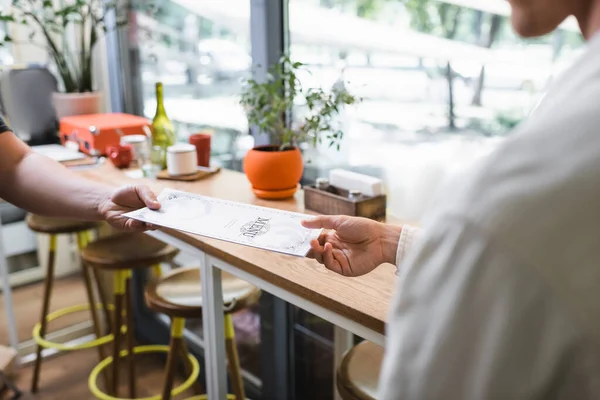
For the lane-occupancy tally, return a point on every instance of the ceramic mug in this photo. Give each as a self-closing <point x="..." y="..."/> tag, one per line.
<point x="120" y="155"/>
<point x="181" y="159"/>
<point x="202" y="143"/>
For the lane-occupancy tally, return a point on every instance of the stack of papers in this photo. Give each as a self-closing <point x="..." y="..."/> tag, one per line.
<point x="58" y="153"/>
<point x="261" y="227"/>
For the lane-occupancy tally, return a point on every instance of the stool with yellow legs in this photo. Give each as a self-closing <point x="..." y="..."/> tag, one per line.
<point x="120" y="255"/>
<point x="179" y="296"/>
<point x="358" y="373"/>
<point x="54" y="227"/>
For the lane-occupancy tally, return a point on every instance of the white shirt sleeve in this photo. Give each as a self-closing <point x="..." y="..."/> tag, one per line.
<point x="408" y="236"/>
<point x="469" y="322"/>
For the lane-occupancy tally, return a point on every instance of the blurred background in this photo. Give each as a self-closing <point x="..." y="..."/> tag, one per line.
<point x="442" y="82"/>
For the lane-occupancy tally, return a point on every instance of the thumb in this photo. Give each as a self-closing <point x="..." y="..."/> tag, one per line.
<point x="324" y="222"/>
<point x="147" y="196"/>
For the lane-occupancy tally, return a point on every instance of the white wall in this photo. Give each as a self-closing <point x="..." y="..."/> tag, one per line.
<point x="24" y="52"/>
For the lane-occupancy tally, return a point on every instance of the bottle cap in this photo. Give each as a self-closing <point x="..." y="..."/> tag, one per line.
<point x="353" y="193"/>
<point x="322" y="182"/>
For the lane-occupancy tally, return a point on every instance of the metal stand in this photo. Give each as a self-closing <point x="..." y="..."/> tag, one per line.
<point x="7" y="294"/>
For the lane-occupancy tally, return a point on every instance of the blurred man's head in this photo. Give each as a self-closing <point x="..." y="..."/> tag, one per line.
<point x="539" y="17"/>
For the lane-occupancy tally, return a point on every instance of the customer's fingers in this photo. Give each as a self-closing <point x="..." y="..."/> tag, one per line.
<point x="329" y="260"/>
<point x="316" y="251"/>
<point x="323" y="221"/>
<point x="147" y="196"/>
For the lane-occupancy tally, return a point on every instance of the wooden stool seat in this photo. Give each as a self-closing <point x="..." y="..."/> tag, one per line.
<point x="179" y="294"/>
<point x="58" y="226"/>
<point x="358" y="375"/>
<point x="127" y="251"/>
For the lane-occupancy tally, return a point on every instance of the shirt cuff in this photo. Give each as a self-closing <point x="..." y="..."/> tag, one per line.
<point x="407" y="238"/>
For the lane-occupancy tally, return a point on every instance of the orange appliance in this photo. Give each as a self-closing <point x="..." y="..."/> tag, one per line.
<point x="93" y="133"/>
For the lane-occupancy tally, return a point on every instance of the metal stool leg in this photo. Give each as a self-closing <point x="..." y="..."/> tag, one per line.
<point x="101" y="295"/>
<point x="48" y="282"/>
<point x="233" y="364"/>
<point x="82" y="241"/>
<point x="119" y="290"/>
<point x="130" y="338"/>
<point x="177" y="327"/>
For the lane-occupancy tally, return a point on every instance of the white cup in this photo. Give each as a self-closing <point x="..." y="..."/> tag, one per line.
<point x="181" y="159"/>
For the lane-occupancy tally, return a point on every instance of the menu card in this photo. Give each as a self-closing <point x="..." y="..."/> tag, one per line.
<point x="261" y="227"/>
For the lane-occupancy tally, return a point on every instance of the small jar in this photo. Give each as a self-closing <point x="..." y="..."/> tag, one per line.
<point x="354" y="194"/>
<point x="181" y="159"/>
<point x="322" y="183"/>
<point x="139" y="144"/>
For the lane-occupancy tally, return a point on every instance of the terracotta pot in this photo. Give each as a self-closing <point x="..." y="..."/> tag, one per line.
<point x="70" y="104"/>
<point x="273" y="174"/>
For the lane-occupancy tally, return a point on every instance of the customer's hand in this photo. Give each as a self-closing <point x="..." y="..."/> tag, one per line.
<point x="353" y="246"/>
<point x="127" y="199"/>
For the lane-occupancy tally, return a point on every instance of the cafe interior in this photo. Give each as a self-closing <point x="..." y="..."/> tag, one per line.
<point x="183" y="96"/>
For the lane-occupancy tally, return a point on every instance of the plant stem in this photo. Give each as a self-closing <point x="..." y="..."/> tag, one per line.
<point x="61" y="63"/>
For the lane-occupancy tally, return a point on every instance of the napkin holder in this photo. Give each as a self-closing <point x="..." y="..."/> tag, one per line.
<point x="336" y="201"/>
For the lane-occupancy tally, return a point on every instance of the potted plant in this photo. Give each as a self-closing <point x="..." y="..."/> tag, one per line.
<point x="274" y="170"/>
<point x="69" y="34"/>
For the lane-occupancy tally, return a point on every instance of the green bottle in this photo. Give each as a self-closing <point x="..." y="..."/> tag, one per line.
<point x="163" y="133"/>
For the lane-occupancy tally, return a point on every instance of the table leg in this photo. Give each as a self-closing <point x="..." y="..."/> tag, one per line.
<point x="343" y="341"/>
<point x="213" y="330"/>
<point x="7" y="295"/>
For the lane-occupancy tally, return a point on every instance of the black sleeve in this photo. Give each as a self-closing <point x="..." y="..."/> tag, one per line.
<point x="3" y="126"/>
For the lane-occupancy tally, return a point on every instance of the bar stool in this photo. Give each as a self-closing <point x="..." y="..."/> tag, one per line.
<point x="122" y="254"/>
<point x="358" y="374"/>
<point x="179" y="296"/>
<point x="54" y="227"/>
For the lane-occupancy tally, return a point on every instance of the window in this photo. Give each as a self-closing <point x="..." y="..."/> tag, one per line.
<point x="441" y="85"/>
<point x="200" y="51"/>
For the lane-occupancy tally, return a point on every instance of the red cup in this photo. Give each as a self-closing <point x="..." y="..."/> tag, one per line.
<point x="120" y="155"/>
<point x="202" y="143"/>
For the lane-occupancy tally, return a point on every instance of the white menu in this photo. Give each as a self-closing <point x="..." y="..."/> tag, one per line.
<point x="262" y="227"/>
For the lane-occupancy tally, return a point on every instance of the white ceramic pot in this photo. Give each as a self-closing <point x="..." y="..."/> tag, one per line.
<point x="69" y="104"/>
<point x="181" y="159"/>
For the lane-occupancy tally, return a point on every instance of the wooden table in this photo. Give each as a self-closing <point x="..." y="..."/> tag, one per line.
<point x="357" y="305"/>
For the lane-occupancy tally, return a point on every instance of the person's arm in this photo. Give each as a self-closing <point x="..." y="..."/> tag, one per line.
<point x="45" y="187"/>
<point x="470" y="321"/>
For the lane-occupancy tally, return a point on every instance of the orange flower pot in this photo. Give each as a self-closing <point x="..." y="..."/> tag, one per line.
<point x="273" y="174"/>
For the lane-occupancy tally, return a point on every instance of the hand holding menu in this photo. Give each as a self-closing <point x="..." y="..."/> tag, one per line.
<point x="262" y="227"/>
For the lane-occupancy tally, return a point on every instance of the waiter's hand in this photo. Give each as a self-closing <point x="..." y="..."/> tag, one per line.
<point x="127" y="199"/>
<point x="353" y="246"/>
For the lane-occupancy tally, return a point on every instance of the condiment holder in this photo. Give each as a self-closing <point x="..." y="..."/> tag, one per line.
<point x="327" y="199"/>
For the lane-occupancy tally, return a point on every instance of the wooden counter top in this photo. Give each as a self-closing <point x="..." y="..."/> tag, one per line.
<point x="364" y="300"/>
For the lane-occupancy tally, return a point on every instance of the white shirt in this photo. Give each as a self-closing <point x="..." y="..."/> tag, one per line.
<point x="500" y="296"/>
